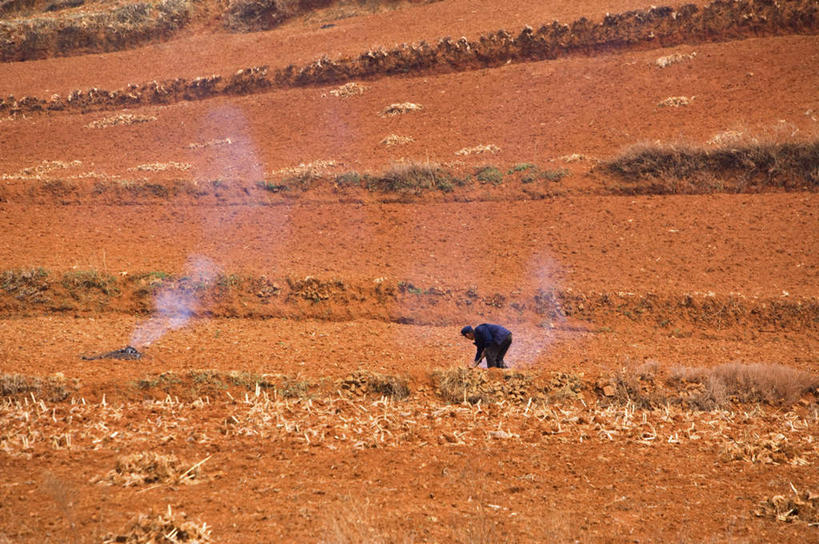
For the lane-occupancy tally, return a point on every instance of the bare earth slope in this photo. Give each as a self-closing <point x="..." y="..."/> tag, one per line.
<point x="293" y="263"/>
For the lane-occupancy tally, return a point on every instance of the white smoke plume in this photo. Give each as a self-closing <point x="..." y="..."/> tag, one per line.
<point x="176" y="304"/>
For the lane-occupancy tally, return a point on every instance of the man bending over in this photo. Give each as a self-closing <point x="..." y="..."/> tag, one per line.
<point x="492" y="342"/>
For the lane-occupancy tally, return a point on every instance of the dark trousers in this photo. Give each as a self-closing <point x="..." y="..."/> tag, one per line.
<point x="495" y="352"/>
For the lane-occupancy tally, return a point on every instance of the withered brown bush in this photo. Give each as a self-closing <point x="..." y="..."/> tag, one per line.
<point x="769" y="383"/>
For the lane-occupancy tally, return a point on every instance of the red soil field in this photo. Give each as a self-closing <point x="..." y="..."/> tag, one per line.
<point x="650" y="290"/>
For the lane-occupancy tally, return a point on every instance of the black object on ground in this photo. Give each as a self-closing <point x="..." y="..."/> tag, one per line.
<point x="127" y="353"/>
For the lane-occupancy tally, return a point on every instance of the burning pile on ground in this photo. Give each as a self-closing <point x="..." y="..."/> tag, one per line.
<point x="168" y="527"/>
<point x="128" y="353"/>
<point x="152" y="468"/>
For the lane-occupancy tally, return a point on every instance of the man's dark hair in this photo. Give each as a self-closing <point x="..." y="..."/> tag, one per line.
<point x="466" y="330"/>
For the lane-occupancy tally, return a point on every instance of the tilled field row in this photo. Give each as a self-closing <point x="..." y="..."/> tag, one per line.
<point x="33" y="426"/>
<point x="663" y="26"/>
<point x="32" y="292"/>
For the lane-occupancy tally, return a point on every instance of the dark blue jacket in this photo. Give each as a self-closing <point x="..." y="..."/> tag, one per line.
<point x="488" y="334"/>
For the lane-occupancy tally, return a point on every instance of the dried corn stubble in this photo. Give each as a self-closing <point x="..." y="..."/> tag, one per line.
<point x="395" y="139"/>
<point x="802" y="506"/>
<point x="157" y="529"/>
<point x="675" y="101"/>
<point x="478" y="149"/>
<point x="152" y="468"/>
<point x="773" y="448"/>
<point x="668" y="60"/>
<point x="121" y="119"/>
<point x="400" y="108"/>
<point x="348" y="90"/>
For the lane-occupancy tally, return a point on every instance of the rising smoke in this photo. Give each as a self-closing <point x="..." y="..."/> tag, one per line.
<point x="176" y="304"/>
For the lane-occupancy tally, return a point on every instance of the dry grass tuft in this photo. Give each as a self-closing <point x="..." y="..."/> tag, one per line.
<point x="411" y="177"/>
<point x="675" y="101"/>
<point x="170" y="527"/>
<point x="400" y="108"/>
<point x="478" y="149"/>
<point x="772" y="384"/>
<point x="348" y="90"/>
<point x="635" y="387"/>
<point x="28" y="284"/>
<point x="53" y="388"/>
<point x="683" y="169"/>
<point x="149" y="467"/>
<point x="668" y="60"/>
<point x="802" y="506"/>
<point x="121" y="119"/>
<point x="395" y="139"/>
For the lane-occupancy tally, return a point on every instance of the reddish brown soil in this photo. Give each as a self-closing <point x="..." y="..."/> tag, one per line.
<point x="279" y="470"/>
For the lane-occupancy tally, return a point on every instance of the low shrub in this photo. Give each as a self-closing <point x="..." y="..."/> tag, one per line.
<point x="489" y="174"/>
<point x="739" y="168"/>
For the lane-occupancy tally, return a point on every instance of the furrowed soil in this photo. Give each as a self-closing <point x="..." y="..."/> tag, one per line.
<point x="293" y="265"/>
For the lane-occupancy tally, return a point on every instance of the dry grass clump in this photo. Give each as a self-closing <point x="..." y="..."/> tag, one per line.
<point x="411" y="177"/>
<point x="802" y="506"/>
<point x="682" y="169"/>
<point x="773" y="449"/>
<point x="301" y="176"/>
<point x="348" y="90"/>
<point x="25" y="283"/>
<point x="400" y="108"/>
<point x="668" y="60"/>
<point x="635" y="387"/>
<point x="169" y="527"/>
<point x="365" y="382"/>
<point x="252" y="15"/>
<point x="675" y="101"/>
<point x="149" y="467"/>
<point x="115" y="28"/>
<point x="739" y="382"/>
<point x="121" y="119"/>
<point x="53" y="388"/>
<point x="395" y="139"/>
<point x="82" y="282"/>
<point x="478" y="149"/>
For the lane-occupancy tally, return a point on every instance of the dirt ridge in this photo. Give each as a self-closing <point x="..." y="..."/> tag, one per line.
<point x="722" y="20"/>
<point x="119" y="28"/>
<point x="37" y="292"/>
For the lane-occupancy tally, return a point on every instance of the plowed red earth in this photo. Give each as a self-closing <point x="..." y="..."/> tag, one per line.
<point x="342" y="467"/>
